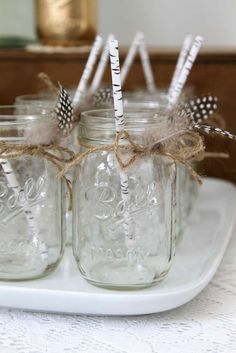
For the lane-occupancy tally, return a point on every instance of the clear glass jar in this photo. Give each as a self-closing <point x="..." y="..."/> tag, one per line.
<point x="31" y="241"/>
<point x="43" y="103"/>
<point x="186" y="187"/>
<point x="146" y="100"/>
<point x="35" y="103"/>
<point x="141" y="99"/>
<point x="105" y="255"/>
<point x="186" y="194"/>
<point x="38" y="103"/>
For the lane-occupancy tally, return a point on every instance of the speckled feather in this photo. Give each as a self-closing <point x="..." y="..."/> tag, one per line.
<point x="56" y="126"/>
<point x="201" y="108"/>
<point x="210" y="130"/>
<point x="103" y="97"/>
<point x="64" y="111"/>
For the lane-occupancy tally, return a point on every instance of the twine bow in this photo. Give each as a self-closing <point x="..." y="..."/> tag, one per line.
<point x="183" y="148"/>
<point x="10" y="151"/>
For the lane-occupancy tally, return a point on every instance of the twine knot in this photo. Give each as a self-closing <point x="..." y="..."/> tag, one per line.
<point x="182" y="148"/>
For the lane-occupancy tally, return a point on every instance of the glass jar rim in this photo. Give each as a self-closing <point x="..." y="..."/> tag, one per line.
<point x="98" y="126"/>
<point x="134" y="117"/>
<point x="147" y="96"/>
<point x="11" y="120"/>
<point x="36" y="98"/>
<point x="9" y="115"/>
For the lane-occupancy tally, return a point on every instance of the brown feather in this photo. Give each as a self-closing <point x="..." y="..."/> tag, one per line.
<point x="178" y="122"/>
<point x="43" y="133"/>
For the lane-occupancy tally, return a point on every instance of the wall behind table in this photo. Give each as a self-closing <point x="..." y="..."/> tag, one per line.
<point x="165" y="22"/>
<point x="17" y="18"/>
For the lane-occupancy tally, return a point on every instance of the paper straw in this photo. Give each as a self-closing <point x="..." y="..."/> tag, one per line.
<point x="87" y="71"/>
<point x="119" y="123"/>
<point x="101" y="65"/>
<point x="14" y="184"/>
<point x="130" y="57"/>
<point x="181" y="59"/>
<point x="146" y="64"/>
<point x="175" y="94"/>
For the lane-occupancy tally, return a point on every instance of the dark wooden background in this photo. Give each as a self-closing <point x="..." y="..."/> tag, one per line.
<point x="214" y="72"/>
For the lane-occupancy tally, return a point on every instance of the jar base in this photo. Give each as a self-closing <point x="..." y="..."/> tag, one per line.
<point x="16" y="272"/>
<point x="119" y="278"/>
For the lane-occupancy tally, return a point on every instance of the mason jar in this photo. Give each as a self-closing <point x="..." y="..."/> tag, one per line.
<point x="154" y="100"/>
<point x="38" y="103"/>
<point x="146" y="100"/>
<point x="186" y="187"/>
<point x="107" y="254"/>
<point x="186" y="195"/>
<point x="31" y="240"/>
<point x="35" y="103"/>
<point x="42" y="103"/>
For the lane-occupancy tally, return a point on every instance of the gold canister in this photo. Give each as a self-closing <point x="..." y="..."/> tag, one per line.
<point x="66" y="22"/>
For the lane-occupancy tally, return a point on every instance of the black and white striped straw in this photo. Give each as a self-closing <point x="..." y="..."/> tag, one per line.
<point x="147" y="69"/>
<point x="14" y="184"/>
<point x="120" y="124"/>
<point x="181" y="60"/>
<point x="176" y="92"/>
<point x="130" y="57"/>
<point x="101" y="65"/>
<point x="82" y="86"/>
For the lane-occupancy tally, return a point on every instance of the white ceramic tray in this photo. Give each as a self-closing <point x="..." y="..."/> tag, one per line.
<point x="196" y="261"/>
